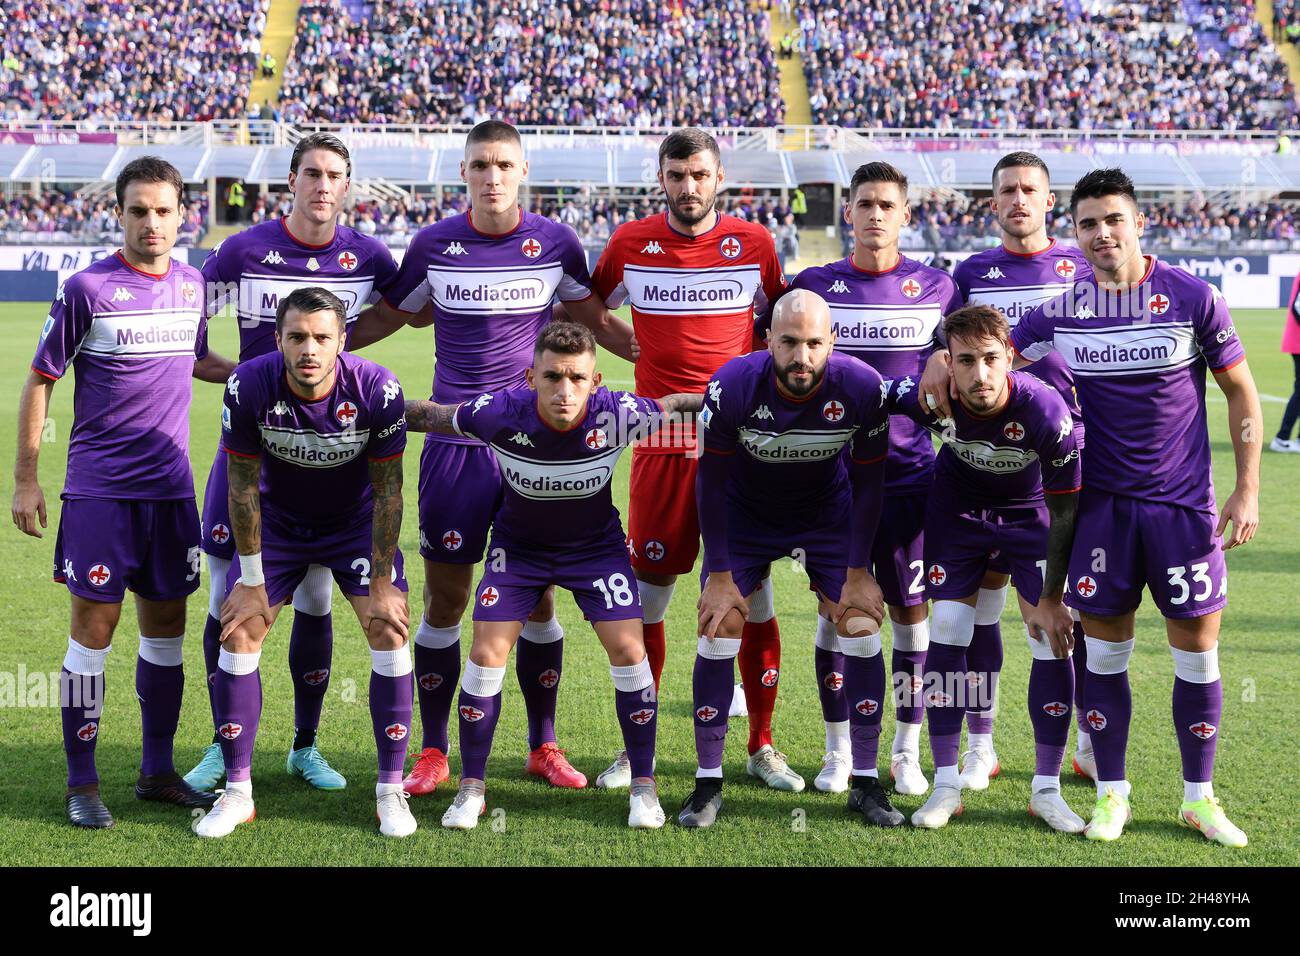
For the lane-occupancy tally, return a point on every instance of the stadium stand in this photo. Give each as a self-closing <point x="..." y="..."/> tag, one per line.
<point x="66" y="217"/>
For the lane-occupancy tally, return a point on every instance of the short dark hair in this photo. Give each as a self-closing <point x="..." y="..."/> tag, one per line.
<point x="325" y="141"/>
<point x="493" y="131"/>
<point x="877" y="173"/>
<point x="149" y="169"/>
<point x="1018" y="159"/>
<point x="685" y="143"/>
<point x="1102" y="182"/>
<point x="311" y="298"/>
<point x="974" y="322"/>
<point x="565" y="338"/>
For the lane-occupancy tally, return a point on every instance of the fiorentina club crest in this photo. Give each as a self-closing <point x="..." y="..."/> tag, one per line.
<point x="489" y="596"/>
<point x="770" y="677"/>
<point x="936" y="575"/>
<point x="220" y="533"/>
<point x="346" y="413"/>
<point x="706" y="713"/>
<point x="230" y="730"/>
<point x="452" y="540"/>
<point x="470" y="713"/>
<point x="655" y="550"/>
<point x="1204" y="730"/>
<point x="641" y="717"/>
<point x="730" y="247"/>
<point x="834" y="680"/>
<point x="1158" y="304"/>
<point x="833" y="411"/>
<point x="531" y="248"/>
<point x="317" y="677"/>
<point x="188" y="292"/>
<point x="1096" y="720"/>
<point x="548" y="678"/>
<point x="596" y="439"/>
<point x="99" y="575"/>
<point x="430" y="681"/>
<point x="1013" y="431"/>
<point x="910" y="288"/>
<point x="88" y="731"/>
<point x="1065" y="268"/>
<point x="395" y="731"/>
<point x="347" y="261"/>
<point x="866" y="707"/>
<point x="1055" y="709"/>
<point x="1086" y="586"/>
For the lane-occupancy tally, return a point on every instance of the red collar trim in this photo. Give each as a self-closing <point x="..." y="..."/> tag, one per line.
<point x="1030" y="255"/>
<point x="284" y="223"/>
<point x="469" y="218"/>
<point x="872" y="272"/>
<point x="686" y="235"/>
<point x="151" y="275"/>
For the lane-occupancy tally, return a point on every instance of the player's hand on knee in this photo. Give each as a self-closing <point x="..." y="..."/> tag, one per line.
<point x="29" y="508"/>
<point x="937" y="388"/>
<point x="1051" y="621"/>
<point x="387" y="608"/>
<point x="718" y="600"/>
<point x="860" y="595"/>
<point x="243" y="604"/>
<point x="1241" y="509"/>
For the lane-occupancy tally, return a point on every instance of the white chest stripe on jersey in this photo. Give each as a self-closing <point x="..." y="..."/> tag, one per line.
<point x="665" y="291"/>
<point x="313" y="450"/>
<point x="885" y="328"/>
<point x="985" y="456"/>
<point x="796" y="445"/>
<point x="259" y="296"/>
<point x="495" y="291"/>
<point x="142" y="333"/>
<point x="1127" y="350"/>
<point x="542" y="480"/>
<point x="1015" y="302"/>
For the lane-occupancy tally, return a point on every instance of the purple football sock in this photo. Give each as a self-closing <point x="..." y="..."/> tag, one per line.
<point x="211" y="653"/>
<point x="909" y="669"/>
<point x="478" y="722"/>
<point x="1110" y="708"/>
<point x="1080" y="658"/>
<point x="864" y="689"/>
<point x="390" y="713"/>
<point x="942" y="704"/>
<point x="829" y="666"/>
<point x="239" y="708"/>
<point x="983" y="664"/>
<point x="311" y="650"/>
<point x="538" y="667"/>
<point x="1051" y="686"/>
<point x="1198" y="709"/>
<point x="159" y="690"/>
<point x="81" y="704"/>
<point x="437" y="670"/>
<point x="638" y="718"/>
<point x="712" y="685"/>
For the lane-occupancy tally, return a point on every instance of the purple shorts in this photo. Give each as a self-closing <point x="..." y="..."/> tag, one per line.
<point x="1121" y="544"/>
<point x="105" y="547"/>
<point x="289" y="550"/>
<point x="598" y="575"/>
<point x="218" y="540"/>
<point x="823" y="552"/>
<point x="898" y="554"/>
<point x="460" y="491"/>
<point x="960" y="548"/>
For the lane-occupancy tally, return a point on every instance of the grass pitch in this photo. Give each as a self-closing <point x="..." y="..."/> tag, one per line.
<point x="531" y="824"/>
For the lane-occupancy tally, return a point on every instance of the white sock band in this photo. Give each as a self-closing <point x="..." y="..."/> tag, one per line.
<point x="84" y="660"/>
<point x="989" y="604"/>
<point x="827" y="638"/>
<point x="163" y="651"/>
<point x="426" y="635"/>
<point x="1041" y="650"/>
<point x="718" y="649"/>
<point x="1197" y="667"/>
<point x="762" y="607"/>
<point x="395" y="663"/>
<point x="218" y="568"/>
<point x="954" y="623"/>
<point x="633" y="677"/>
<point x="1105" y="657"/>
<point x="482" y="681"/>
<point x="654" y="601"/>
<point x="837" y="736"/>
<point x="238" y="665"/>
<point x="911" y="637"/>
<point x="315" y="595"/>
<point x="1043" y="782"/>
<point x="542" y="632"/>
<point x="868" y="646"/>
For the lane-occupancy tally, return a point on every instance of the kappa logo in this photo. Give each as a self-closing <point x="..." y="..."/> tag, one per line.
<point x="596" y="439"/>
<point x="489" y="597"/>
<point x="715" y="392"/>
<point x="232" y="386"/>
<point x="391" y="390"/>
<point x="762" y="412"/>
<point x="730" y="247"/>
<point x="1204" y="730"/>
<point x="273" y="258"/>
<point x="905" y="385"/>
<point x="1065" y="268"/>
<point x="1013" y="431"/>
<point x="58" y="294"/>
<point x="706" y="713"/>
<point x="936" y="574"/>
<point x="839" y="287"/>
<point x="88" y="731"/>
<point x="346" y="413"/>
<point x="455" y="249"/>
<point x="1085" y="313"/>
<point x="347" y="261"/>
<point x="910" y="288"/>
<point x="279" y="408"/>
<point x="1086" y="586"/>
<point x="1064" y="429"/>
<point x="317" y="677"/>
<point x="122" y="295"/>
<point x="655" y="550"/>
<point x="68" y="573"/>
<point x="548" y="678"/>
<point x="452" y="540"/>
<point x="531" y="248"/>
<point x="832" y="411"/>
<point x="641" y="717"/>
<point x="994" y="273"/>
<point x="470" y="714"/>
<point x="833" y="681"/>
<point x="652" y="248"/>
<point x="1096" y="720"/>
<point x="220" y="533"/>
<point x="481" y="402"/>
<point x="519" y="438"/>
<point x="866" y="707"/>
<point x="770" y="677"/>
<point x="230" y="730"/>
<point x="1055" y="709"/>
<point x="430" y="681"/>
<point x="395" y="731"/>
<point x="99" y="575"/>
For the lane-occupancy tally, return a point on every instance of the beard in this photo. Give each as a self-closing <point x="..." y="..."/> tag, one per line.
<point x="793" y="387"/>
<point x="692" y="215"/>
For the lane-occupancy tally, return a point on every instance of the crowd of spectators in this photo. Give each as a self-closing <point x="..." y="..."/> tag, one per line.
<point x="640" y="63"/>
<point x="175" y="61"/>
<point x="1038" y="64"/>
<point x="65" y="217"/>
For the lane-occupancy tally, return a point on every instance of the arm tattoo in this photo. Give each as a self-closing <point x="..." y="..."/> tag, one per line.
<point x="386" y="481"/>
<point x="426" y="416"/>
<point x="1060" y="538"/>
<point x="683" y="402"/>
<point x="245" y="502"/>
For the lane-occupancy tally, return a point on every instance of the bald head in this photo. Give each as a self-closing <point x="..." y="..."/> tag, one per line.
<point x="801" y="340"/>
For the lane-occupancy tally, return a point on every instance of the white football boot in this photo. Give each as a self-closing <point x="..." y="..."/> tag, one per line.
<point x="392" y="810"/>
<point x="232" y="808"/>
<point x="834" y="777"/>
<point x="469" y="805"/>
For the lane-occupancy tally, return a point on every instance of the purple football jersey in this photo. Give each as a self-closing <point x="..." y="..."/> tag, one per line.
<point x="133" y="338"/>
<point x="790" y="470"/>
<point x="491" y="295"/>
<point x="890" y="320"/>
<point x="315" y="454"/>
<point x="1006" y="459"/>
<point x="556" y="491"/>
<point x="1139" y="359"/>
<point x="259" y="266"/>
<point x="1014" y="284"/>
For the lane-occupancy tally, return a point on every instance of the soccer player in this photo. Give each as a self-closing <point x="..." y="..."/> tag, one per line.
<point x="489" y="275"/>
<point x="132" y="325"/>
<point x="314" y="440"/>
<point x="557" y="440"/>
<point x="256" y="269"/>
<point x="773" y="481"/>
<point x="885" y="310"/>
<point x="1139" y="336"/>
<point x="694" y="279"/>
<point x="1027" y="269"/>
<point x="1006" y="483"/>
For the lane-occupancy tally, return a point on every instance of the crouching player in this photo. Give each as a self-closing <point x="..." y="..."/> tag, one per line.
<point x="1006" y="483"/>
<point x="314" y="438"/>
<point x="556" y="441"/>
<point x="772" y="484"/>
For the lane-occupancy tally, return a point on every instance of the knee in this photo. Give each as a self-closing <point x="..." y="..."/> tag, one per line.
<point x="732" y="625"/>
<point x="445" y="599"/>
<point x="247" y="638"/>
<point x="952" y="623"/>
<point x="382" y="636"/>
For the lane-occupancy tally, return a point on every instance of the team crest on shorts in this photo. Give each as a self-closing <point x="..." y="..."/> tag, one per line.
<point x="1204" y="729"/>
<point x="770" y="677"/>
<point x="220" y="534"/>
<point x="430" y="681"/>
<point x="596" y="439"/>
<point x="88" y="731"/>
<point x="347" y="261"/>
<point x="230" y="730"/>
<point x="489" y="597"/>
<point x="1055" y="709"/>
<point x="346" y="413"/>
<point x="866" y="707"/>
<point x="531" y="248"/>
<point x="1014" y="431"/>
<point x="1086" y="586"/>
<point x="452" y="540"/>
<point x="317" y="677"/>
<point x="641" y="717"/>
<point x="730" y="247"/>
<point x="1096" y="720"/>
<point x="834" y="680"/>
<point x="655" y="550"/>
<point x="1065" y="268"/>
<point x="99" y="575"/>
<point x="936" y="575"/>
<point x="706" y="713"/>
<point x="548" y="678"/>
<point x="395" y="731"/>
<point x="833" y="411"/>
<point x="470" y="713"/>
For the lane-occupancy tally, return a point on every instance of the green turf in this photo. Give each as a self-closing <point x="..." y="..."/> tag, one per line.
<point x="532" y="824"/>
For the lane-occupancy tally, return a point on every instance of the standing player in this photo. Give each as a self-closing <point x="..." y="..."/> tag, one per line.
<point x="132" y="326"/>
<point x="1010" y="460"/>
<point x="557" y="440"/>
<point x="694" y="279"/>
<point x="1139" y="336"/>
<point x="774" y="479"/>
<point x="885" y="310"/>
<point x="490" y="276"/>
<point x="314" y="440"/>
<point x="1026" y="270"/>
<point x="256" y="269"/>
